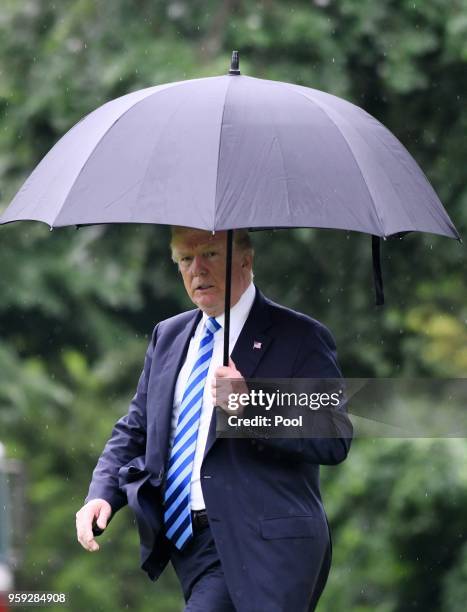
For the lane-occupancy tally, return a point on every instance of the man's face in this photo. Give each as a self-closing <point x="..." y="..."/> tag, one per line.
<point x="201" y="260"/>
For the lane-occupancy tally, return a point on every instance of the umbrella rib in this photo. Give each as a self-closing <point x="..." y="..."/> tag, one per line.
<point x="163" y="131"/>
<point x="219" y="152"/>
<point x="383" y="233"/>
<point x="276" y="138"/>
<point x="283" y="168"/>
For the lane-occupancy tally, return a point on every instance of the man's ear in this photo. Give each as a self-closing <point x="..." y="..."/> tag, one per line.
<point x="247" y="260"/>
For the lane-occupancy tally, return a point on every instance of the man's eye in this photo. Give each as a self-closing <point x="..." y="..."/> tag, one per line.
<point x="210" y="254"/>
<point x="186" y="259"/>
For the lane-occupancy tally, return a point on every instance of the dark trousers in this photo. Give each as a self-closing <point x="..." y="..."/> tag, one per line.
<point x="199" y="570"/>
<point x="201" y="576"/>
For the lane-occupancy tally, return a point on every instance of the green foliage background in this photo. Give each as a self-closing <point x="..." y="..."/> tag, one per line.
<point x="76" y="308"/>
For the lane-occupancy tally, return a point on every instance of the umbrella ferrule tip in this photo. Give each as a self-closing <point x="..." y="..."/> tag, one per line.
<point x="235" y="64"/>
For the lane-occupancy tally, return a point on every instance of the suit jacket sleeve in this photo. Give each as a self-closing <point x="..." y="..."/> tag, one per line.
<point x="317" y="358"/>
<point x="128" y="440"/>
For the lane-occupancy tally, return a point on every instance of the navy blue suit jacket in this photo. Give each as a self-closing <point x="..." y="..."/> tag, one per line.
<point x="262" y="496"/>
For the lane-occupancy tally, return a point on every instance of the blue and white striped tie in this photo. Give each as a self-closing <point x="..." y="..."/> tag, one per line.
<point x="177" y="514"/>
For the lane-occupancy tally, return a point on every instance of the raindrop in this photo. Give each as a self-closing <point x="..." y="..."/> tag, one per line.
<point x="176" y="10"/>
<point x="254" y="22"/>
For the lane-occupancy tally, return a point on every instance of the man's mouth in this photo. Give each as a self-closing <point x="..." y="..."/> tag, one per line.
<point x="203" y="287"/>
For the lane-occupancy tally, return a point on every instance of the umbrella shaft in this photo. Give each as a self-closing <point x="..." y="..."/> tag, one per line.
<point x="228" y="283"/>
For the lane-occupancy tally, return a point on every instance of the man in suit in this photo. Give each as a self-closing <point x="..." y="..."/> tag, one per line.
<point x="241" y="520"/>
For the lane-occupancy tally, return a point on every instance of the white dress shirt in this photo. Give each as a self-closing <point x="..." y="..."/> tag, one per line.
<point x="238" y="315"/>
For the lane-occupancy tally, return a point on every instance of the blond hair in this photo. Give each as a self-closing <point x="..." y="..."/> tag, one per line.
<point x="241" y="238"/>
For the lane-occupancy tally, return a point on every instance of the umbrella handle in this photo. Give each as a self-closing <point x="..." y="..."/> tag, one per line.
<point x="228" y="285"/>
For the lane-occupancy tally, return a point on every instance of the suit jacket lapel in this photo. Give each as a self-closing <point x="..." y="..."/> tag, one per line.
<point x="168" y="375"/>
<point x="253" y="340"/>
<point x="249" y="349"/>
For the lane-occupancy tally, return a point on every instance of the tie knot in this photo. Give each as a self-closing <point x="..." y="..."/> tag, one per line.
<point x="212" y="325"/>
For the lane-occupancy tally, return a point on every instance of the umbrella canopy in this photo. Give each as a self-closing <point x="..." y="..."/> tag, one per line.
<point x="232" y="152"/>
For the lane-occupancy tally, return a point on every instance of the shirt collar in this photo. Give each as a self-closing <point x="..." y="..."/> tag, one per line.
<point x="238" y="313"/>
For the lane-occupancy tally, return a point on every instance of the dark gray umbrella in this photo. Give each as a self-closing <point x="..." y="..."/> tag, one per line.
<point x="233" y="152"/>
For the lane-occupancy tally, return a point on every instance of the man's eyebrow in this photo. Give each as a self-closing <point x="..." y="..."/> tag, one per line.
<point x="189" y="250"/>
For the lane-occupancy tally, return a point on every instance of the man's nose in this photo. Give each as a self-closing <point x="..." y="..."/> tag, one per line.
<point x="198" y="265"/>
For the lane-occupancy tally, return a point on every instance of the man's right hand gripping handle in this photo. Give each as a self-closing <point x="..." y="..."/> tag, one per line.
<point x="91" y="520"/>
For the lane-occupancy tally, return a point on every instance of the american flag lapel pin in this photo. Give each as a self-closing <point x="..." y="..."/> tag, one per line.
<point x="257" y="345"/>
